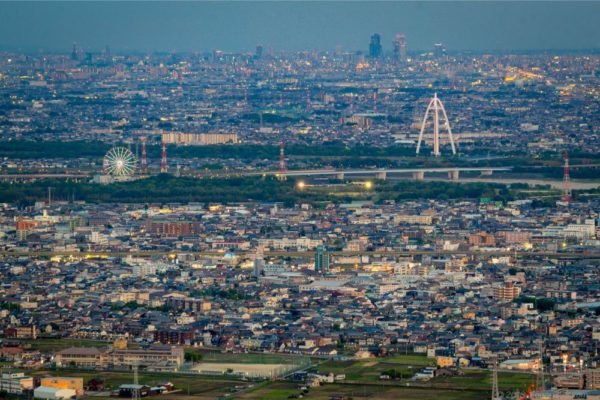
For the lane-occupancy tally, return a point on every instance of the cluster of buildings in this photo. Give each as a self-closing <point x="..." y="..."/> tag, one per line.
<point x="48" y="388"/>
<point x="467" y="282"/>
<point x="15" y="384"/>
<point x="496" y="102"/>
<point x="347" y="228"/>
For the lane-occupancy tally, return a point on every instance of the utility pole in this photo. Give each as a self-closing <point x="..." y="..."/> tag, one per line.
<point x="163" y="159"/>
<point x="135" y="395"/>
<point x="566" y="197"/>
<point x="540" y="378"/>
<point x="495" y="389"/>
<point x="282" y="167"/>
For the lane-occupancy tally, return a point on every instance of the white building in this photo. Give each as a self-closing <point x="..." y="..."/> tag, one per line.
<point x="50" y="393"/>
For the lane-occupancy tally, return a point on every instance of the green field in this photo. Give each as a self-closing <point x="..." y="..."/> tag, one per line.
<point x="281" y="390"/>
<point x="364" y="371"/>
<point x="246" y="358"/>
<point x="482" y="380"/>
<point x="370" y="369"/>
<point x="362" y="377"/>
<point x="410" y="359"/>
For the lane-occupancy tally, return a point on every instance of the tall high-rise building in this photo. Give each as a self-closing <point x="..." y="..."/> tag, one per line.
<point x="259" y="51"/>
<point x="259" y="267"/>
<point x="259" y="263"/>
<point x="75" y="52"/>
<point x="375" y="49"/>
<point x="400" y="48"/>
<point x="24" y="228"/>
<point x="321" y="260"/>
<point x="439" y="50"/>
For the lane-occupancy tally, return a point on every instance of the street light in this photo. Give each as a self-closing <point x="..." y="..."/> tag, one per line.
<point x="301" y="185"/>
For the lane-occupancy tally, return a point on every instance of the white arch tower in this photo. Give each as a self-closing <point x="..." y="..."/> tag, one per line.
<point x="435" y="106"/>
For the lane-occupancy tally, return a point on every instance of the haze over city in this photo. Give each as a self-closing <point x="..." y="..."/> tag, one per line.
<point x="295" y="26"/>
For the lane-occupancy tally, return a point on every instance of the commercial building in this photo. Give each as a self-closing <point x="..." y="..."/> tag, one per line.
<point x="173" y="228"/>
<point x="564" y="394"/>
<point x="508" y="292"/>
<point x="162" y="356"/>
<point x="188" y="304"/>
<point x="375" y="49"/>
<point x="15" y="382"/>
<point x="82" y="357"/>
<point x="592" y="379"/>
<point x="523" y="365"/>
<point x="21" y="332"/>
<point x="199" y="138"/>
<point x="321" y="260"/>
<point x="75" y="384"/>
<point x="154" y="356"/>
<point x="413" y="219"/>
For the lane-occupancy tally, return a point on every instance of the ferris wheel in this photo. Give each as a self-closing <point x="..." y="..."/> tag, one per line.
<point x="119" y="161"/>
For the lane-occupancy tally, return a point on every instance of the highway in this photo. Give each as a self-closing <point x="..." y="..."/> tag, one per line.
<point x="391" y="171"/>
<point x="290" y="173"/>
<point x="45" y="176"/>
<point x="378" y="172"/>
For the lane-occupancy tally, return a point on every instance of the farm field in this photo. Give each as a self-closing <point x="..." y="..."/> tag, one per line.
<point x="361" y="377"/>
<point x="370" y="369"/>
<point x="280" y="391"/>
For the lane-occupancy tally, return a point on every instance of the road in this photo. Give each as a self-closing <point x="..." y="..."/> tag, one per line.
<point x="555" y="184"/>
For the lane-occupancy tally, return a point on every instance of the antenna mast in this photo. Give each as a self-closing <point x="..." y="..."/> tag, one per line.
<point x="566" y="197"/>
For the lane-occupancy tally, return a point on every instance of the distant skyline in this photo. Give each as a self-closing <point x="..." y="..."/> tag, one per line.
<point x="293" y="26"/>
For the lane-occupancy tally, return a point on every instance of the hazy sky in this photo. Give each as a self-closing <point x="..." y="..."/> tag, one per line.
<point x="239" y="26"/>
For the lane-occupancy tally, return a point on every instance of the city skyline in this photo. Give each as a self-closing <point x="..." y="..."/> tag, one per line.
<point x="295" y="26"/>
<point x="283" y="200"/>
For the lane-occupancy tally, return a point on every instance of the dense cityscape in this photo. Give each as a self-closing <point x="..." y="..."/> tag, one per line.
<point x="384" y="223"/>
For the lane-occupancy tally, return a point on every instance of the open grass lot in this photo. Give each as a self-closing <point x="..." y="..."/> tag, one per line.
<point x="414" y="360"/>
<point x="370" y="369"/>
<point x="246" y="358"/>
<point x="482" y="380"/>
<point x="367" y="371"/>
<point x="280" y="390"/>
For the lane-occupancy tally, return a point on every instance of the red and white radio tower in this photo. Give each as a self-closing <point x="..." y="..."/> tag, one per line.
<point x="144" y="155"/>
<point x="566" y="197"/>
<point x="163" y="160"/>
<point x="282" y="168"/>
